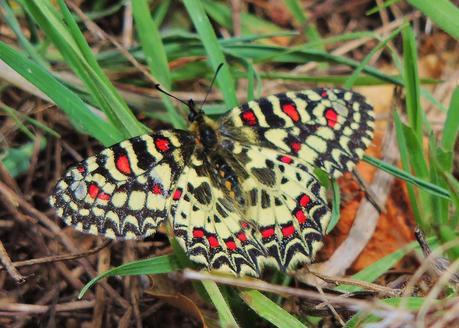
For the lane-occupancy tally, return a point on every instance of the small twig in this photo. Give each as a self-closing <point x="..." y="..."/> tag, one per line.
<point x="7" y="193"/>
<point x="58" y="258"/>
<point x="439" y="264"/>
<point x="38" y="309"/>
<point x="330" y="307"/>
<point x="351" y="303"/>
<point x="372" y="198"/>
<point x="5" y="259"/>
<point x="96" y="30"/>
<point x="362" y="284"/>
<point x="236" y="16"/>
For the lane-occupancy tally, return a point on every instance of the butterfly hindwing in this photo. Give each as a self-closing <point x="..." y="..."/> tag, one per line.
<point x="123" y="191"/>
<point x="328" y="128"/>
<point x="285" y="201"/>
<point x="209" y="226"/>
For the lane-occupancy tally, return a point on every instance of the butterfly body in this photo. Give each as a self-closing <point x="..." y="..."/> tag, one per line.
<point x="239" y="192"/>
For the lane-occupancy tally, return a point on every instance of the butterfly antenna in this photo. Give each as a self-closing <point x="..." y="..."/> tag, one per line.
<point x="211" y="85"/>
<point x="190" y="103"/>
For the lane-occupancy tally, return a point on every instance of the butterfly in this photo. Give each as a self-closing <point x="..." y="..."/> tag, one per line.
<point x="240" y="193"/>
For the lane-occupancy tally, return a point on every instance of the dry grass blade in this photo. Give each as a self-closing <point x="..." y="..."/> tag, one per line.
<point x="58" y="258"/>
<point x="9" y="266"/>
<point x="352" y="304"/>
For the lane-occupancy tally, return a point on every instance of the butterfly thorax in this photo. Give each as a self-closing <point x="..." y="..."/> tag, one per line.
<point x="204" y="130"/>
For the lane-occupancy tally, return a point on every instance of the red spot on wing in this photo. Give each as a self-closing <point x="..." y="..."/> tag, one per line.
<point x="266" y="233"/>
<point x="244" y="225"/>
<point x="286" y="159"/>
<point x="162" y="144"/>
<point x="198" y="233"/>
<point x="230" y="244"/>
<point x="241" y="236"/>
<point x="304" y="200"/>
<point x="324" y="94"/>
<point x="93" y="190"/>
<point x="300" y="216"/>
<point x="250" y="118"/>
<point x="331" y="116"/>
<point x="157" y="189"/>
<point x="213" y="241"/>
<point x="291" y="111"/>
<point x="177" y="194"/>
<point x="103" y="196"/>
<point x="296" y="146"/>
<point x="81" y="169"/>
<point x="122" y="164"/>
<point x="288" y="230"/>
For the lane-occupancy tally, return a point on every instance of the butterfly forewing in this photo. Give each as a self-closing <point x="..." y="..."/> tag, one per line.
<point x="328" y="128"/>
<point x="122" y="192"/>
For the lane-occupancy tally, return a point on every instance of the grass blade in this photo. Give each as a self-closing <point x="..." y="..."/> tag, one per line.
<point x="443" y="12"/>
<point x="411" y="78"/>
<point x="155" y="55"/>
<point x="404" y="175"/>
<point x="269" y="310"/>
<point x="202" y="24"/>
<point x="378" y="268"/>
<point x="224" y="312"/>
<point x="78" y="112"/>
<point x="336" y="203"/>
<point x="350" y="82"/>
<point x="155" y="265"/>
<point x="451" y="127"/>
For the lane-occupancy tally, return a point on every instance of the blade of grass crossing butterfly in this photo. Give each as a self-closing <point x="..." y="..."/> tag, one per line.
<point x="156" y="265"/>
<point x="224" y="312"/>
<point x="269" y="310"/>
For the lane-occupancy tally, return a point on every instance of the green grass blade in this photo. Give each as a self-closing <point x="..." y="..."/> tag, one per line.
<point x="411" y="78"/>
<point x="443" y="12"/>
<point x="309" y="29"/>
<point x="14" y="115"/>
<point x="451" y="127"/>
<point x="336" y="203"/>
<point x="155" y="55"/>
<point x="224" y="312"/>
<point x="404" y="175"/>
<point x="78" y="112"/>
<point x="359" y="320"/>
<point x="111" y="102"/>
<point x="151" y="43"/>
<point x="350" y="82"/>
<point x="160" y="12"/>
<point x="404" y="156"/>
<point x="250" y="24"/>
<point x="378" y="268"/>
<point x="332" y="79"/>
<point x="269" y="310"/>
<point x="74" y="49"/>
<point x="376" y="9"/>
<point x="19" y="117"/>
<point x="155" y="265"/>
<point x="202" y="24"/>
<point x="418" y="164"/>
<point x="12" y="22"/>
